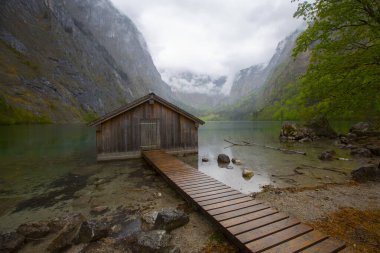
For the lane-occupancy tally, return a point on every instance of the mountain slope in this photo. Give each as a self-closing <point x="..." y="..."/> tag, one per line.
<point x="253" y="78"/>
<point x="67" y="61"/>
<point x="263" y="101"/>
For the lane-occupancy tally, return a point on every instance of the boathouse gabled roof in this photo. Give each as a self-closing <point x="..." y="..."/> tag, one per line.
<point x="137" y="102"/>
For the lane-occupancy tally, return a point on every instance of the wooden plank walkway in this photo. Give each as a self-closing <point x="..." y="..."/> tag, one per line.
<point x="252" y="225"/>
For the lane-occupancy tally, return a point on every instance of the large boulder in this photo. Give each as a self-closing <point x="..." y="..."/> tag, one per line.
<point x="153" y="241"/>
<point x="223" y="158"/>
<point x="11" y="242"/>
<point x="361" y="152"/>
<point x="321" y="127"/>
<point x="294" y="132"/>
<point x="34" y="230"/>
<point x="361" y="128"/>
<point x="170" y="218"/>
<point x="368" y="172"/>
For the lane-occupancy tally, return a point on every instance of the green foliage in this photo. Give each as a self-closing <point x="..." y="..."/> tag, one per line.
<point x="11" y="115"/>
<point x="343" y="78"/>
<point x="91" y="116"/>
<point x="211" y="117"/>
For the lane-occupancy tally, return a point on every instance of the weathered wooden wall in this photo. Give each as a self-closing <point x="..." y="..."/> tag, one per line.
<point x="121" y="134"/>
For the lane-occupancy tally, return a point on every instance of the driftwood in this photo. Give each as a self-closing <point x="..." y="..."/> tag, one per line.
<point x="297" y="171"/>
<point x="245" y="143"/>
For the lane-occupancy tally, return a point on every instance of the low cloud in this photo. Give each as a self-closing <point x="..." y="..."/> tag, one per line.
<point x="214" y="37"/>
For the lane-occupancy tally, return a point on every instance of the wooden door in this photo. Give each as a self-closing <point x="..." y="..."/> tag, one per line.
<point x="149" y="134"/>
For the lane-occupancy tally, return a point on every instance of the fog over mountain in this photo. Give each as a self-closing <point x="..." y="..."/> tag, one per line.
<point x="216" y="38"/>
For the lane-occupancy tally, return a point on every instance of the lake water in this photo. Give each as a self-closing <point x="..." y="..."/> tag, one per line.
<point x="34" y="158"/>
<point x="51" y="170"/>
<point x="270" y="166"/>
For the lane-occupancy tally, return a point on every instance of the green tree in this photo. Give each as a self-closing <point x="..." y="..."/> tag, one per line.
<point x="343" y="78"/>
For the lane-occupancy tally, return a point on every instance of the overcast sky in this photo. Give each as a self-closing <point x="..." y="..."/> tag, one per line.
<point x="217" y="37"/>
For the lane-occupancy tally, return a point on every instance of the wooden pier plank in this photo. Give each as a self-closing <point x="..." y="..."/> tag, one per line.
<point x="252" y="225"/>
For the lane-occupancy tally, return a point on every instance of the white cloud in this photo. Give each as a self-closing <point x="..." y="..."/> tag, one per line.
<point x="217" y="37"/>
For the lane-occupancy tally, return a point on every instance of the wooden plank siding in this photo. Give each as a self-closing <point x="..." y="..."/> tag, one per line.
<point x="120" y="136"/>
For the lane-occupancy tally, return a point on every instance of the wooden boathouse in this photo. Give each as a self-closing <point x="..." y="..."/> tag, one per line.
<point x="149" y="122"/>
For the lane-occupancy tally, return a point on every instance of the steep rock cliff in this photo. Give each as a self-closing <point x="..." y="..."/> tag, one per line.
<point x="68" y="61"/>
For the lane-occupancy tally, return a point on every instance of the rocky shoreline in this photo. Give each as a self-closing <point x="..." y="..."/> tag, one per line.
<point x="117" y="232"/>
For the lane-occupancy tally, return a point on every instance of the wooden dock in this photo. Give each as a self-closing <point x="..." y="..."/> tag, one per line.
<point x="252" y="225"/>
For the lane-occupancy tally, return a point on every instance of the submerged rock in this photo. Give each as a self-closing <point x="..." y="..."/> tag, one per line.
<point x="236" y="161"/>
<point x="223" y="158"/>
<point x="361" y="152"/>
<point x="170" y="218"/>
<point x="106" y="245"/>
<point x="11" y="242"/>
<point x="99" y="209"/>
<point x="204" y="159"/>
<point x="369" y="172"/>
<point x="247" y="173"/>
<point x="153" y="241"/>
<point x="327" y="155"/>
<point x="34" y="230"/>
<point x="92" y="231"/>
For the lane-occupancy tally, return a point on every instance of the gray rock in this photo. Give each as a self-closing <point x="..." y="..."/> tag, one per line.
<point x="369" y="172"/>
<point x="344" y="140"/>
<point x="92" y="231"/>
<point x="11" y="242"/>
<point x="130" y="230"/>
<point x="170" y="218"/>
<point x="375" y="150"/>
<point x="153" y="241"/>
<point x="306" y="139"/>
<point x="229" y="167"/>
<point x="150" y="218"/>
<point x="321" y="127"/>
<point x="236" y="161"/>
<point x="204" y="159"/>
<point x="68" y="235"/>
<point x="327" y="155"/>
<point x="361" y="152"/>
<point x="34" y="230"/>
<point x="360" y="128"/>
<point x="223" y="158"/>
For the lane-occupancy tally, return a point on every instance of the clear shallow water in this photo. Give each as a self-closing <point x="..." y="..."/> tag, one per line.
<point x="269" y="166"/>
<point x="32" y="155"/>
<point x="35" y="155"/>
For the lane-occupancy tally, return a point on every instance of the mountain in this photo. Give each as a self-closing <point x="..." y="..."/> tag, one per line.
<point x="69" y="61"/>
<point x="257" y="91"/>
<point x="253" y="78"/>
<point x="201" y="91"/>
